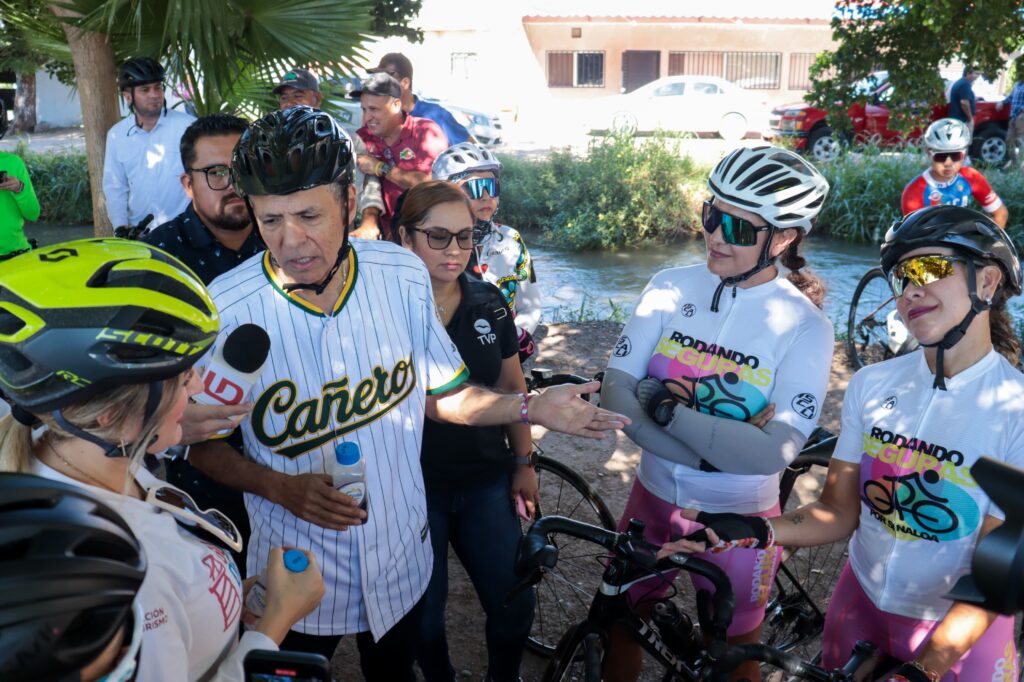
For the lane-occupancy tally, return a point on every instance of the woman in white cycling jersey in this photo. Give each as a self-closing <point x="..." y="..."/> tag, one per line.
<point x="722" y="368"/>
<point x="900" y="479"/>
<point x="499" y="254"/>
<point x="100" y="339"/>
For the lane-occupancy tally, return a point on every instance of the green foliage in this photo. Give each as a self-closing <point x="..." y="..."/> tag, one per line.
<point x="626" y="192"/>
<point x="61" y="182"/>
<point x="911" y="40"/>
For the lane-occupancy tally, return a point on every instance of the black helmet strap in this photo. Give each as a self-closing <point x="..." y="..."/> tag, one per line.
<point x="954" y="335"/>
<point x="155" y="393"/>
<point x="763" y="261"/>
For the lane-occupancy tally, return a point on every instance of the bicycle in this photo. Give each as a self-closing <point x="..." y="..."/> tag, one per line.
<point x="874" y="330"/>
<point x="685" y="651"/>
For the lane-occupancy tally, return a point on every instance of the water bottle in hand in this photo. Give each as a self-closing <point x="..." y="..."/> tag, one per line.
<point x="349" y="472"/>
<point x="256" y="601"/>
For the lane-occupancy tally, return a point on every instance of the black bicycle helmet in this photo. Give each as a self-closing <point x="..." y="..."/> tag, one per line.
<point x="85" y="316"/>
<point x="967" y="232"/>
<point x="139" y="71"/>
<point x="70" y="568"/>
<point x="290" y="151"/>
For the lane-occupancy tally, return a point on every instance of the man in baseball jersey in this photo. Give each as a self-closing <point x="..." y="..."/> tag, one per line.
<point x="359" y="356"/>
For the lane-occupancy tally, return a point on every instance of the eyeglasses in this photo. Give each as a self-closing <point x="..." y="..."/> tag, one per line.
<point x="180" y="504"/>
<point x="920" y="271"/>
<point x="218" y="176"/>
<point x="438" y="238"/>
<point x="475" y="187"/>
<point x="941" y="157"/>
<point x="735" y="231"/>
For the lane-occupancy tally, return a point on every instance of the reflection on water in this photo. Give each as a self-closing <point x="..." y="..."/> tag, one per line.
<point x="566" y="276"/>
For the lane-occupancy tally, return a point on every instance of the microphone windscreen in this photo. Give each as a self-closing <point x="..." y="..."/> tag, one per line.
<point x="247" y="348"/>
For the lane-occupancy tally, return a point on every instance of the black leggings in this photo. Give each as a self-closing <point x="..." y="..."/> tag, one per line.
<point x="389" y="660"/>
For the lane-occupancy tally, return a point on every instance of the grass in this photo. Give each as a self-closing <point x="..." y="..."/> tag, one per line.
<point x="61" y="181"/>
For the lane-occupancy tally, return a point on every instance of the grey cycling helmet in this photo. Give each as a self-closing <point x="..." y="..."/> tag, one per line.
<point x="947" y="135"/>
<point x="460" y="160"/>
<point x="776" y="184"/>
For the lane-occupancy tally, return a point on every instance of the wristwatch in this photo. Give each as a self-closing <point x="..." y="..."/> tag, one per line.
<point x="530" y="460"/>
<point x="385" y="168"/>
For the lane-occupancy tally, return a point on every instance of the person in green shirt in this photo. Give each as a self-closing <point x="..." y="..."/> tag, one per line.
<point x="18" y="201"/>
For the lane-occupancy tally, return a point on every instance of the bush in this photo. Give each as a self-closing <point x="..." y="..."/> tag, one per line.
<point x="621" y="194"/>
<point x="61" y="182"/>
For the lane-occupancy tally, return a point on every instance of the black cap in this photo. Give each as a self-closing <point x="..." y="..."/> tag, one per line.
<point x="300" y="79"/>
<point x="378" y="84"/>
<point x="395" y="64"/>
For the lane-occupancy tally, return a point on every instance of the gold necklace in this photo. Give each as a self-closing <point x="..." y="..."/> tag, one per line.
<point x="88" y="476"/>
<point x="442" y="310"/>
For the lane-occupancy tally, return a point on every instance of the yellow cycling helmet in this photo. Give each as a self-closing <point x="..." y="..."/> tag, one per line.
<point x="81" y="317"/>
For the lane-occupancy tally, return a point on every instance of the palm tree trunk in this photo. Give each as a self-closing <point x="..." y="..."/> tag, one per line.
<point x="25" y="102"/>
<point x="96" y="78"/>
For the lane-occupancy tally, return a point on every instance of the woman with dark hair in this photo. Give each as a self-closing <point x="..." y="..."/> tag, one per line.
<point x="473" y="474"/>
<point x="900" y="478"/>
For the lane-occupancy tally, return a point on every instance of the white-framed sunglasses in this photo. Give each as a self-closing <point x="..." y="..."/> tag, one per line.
<point x="180" y="504"/>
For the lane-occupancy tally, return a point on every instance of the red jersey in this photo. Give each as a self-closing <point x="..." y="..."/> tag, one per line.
<point x="925" y="190"/>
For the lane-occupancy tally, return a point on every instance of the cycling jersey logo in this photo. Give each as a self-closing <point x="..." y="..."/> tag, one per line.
<point x="623" y="347"/>
<point x="889" y="402"/>
<point x="806" y="405"/>
<point x="689" y="309"/>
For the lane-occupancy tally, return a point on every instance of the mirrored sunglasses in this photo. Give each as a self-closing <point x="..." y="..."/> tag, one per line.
<point x="180" y="504"/>
<point x="438" y="238"/>
<point x="920" y="271"/>
<point x="475" y="187"/>
<point x="735" y="231"/>
<point x="941" y="157"/>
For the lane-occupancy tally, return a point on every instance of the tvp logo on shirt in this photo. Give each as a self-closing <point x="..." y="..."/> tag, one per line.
<point x="483" y="329"/>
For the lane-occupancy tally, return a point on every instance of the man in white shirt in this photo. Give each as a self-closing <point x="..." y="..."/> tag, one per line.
<point x="142" y="163"/>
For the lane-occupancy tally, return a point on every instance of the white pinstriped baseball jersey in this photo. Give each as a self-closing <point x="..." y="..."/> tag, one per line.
<point x="360" y="374"/>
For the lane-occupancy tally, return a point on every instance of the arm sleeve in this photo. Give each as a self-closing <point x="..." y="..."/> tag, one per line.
<point x="618" y="394"/>
<point x="981" y="190"/>
<point x="528" y="303"/>
<point x="28" y="203"/>
<point x="370" y="195"/>
<point x="115" y="185"/>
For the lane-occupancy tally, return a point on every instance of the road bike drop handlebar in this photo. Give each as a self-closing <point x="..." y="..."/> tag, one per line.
<point x="537" y="555"/>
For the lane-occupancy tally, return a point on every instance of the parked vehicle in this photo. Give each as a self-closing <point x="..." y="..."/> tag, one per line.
<point x="806" y="125"/>
<point x="697" y="104"/>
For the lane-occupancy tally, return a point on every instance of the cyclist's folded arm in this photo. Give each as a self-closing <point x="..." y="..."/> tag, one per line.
<point x="618" y="394"/>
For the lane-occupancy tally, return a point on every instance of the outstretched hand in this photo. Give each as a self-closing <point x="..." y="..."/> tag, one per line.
<point x="561" y="408"/>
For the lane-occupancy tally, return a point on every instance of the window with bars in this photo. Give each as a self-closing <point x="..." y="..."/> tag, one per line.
<point x="463" y="65"/>
<point x="800" y="70"/>
<point x="751" y="70"/>
<point x="575" y="69"/>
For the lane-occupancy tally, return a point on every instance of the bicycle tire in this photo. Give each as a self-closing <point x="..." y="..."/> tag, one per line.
<point x="867" y="336"/>
<point x="573" y="660"/>
<point x="795" y="613"/>
<point x="564" y="594"/>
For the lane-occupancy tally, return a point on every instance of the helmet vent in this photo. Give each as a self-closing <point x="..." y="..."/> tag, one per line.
<point x="108" y="277"/>
<point x="10" y="323"/>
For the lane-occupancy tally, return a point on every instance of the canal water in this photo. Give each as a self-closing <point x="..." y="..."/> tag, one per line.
<point x="601" y="282"/>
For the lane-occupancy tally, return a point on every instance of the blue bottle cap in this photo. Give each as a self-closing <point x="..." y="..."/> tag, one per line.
<point x="295" y="561"/>
<point x="346" y="453"/>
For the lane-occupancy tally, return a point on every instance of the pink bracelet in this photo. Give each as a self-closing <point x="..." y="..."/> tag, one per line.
<point x="524" y="409"/>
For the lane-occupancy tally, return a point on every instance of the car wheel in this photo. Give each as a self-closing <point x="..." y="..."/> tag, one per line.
<point x="823" y="145"/>
<point x="989" y="146"/>
<point x="624" y="122"/>
<point x="732" y="127"/>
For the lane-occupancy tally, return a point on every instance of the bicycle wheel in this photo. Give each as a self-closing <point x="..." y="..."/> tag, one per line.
<point x="867" y="330"/>
<point x="564" y="593"/>
<point x="795" y="614"/>
<point x="579" y="657"/>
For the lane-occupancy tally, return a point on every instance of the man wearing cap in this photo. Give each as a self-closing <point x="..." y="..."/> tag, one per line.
<point x="400" y="147"/>
<point x="302" y="87"/>
<point x="398" y="66"/>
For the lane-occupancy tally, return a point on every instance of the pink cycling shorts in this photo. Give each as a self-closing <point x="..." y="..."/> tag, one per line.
<point x="852" y="616"/>
<point x="751" y="571"/>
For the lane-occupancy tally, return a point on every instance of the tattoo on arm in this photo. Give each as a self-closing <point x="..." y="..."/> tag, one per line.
<point x="796" y="519"/>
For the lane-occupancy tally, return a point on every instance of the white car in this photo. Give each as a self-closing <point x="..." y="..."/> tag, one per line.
<point x="697" y="104"/>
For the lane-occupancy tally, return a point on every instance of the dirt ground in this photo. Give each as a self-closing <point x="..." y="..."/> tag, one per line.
<point x="608" y="465"/>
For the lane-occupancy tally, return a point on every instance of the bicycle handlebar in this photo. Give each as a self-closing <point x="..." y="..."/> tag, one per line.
<point x="537" y="555"/>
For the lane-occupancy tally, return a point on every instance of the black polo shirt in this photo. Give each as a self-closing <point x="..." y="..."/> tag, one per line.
<point x="192" y="242"/>
<point x="483" y="331"/>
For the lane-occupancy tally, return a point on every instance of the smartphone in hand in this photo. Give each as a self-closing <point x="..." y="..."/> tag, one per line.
<point x="285" y="666"/>
<point x="521" y="509"/>
<point x="3" y="176"/>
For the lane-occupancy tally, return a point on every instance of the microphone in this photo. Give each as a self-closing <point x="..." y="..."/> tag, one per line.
<point x="234" y="367"/>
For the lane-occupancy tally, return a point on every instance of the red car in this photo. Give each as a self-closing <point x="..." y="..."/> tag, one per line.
<point x="807" y="125"/>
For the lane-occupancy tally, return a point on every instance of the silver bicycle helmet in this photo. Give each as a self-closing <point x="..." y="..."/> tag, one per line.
<point x="776" y="184"/>
<point x="460" y="160"/>
<point x="947" y="135"/>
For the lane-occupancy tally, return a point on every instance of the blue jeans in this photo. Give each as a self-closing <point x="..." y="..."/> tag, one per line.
<point x="481" y="525"/>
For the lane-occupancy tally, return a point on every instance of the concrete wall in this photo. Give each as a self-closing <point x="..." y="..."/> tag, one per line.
<point x="615" y="36"/>
<point x="57" y="105"/>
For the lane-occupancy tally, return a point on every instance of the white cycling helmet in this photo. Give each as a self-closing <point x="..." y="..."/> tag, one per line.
<point x="947" y="135"/>
<point x="776" y="184"/>
<point x="460" y="160"/>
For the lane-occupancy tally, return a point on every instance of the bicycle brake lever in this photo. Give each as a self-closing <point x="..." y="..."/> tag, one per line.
<point x="524" y="584"/>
